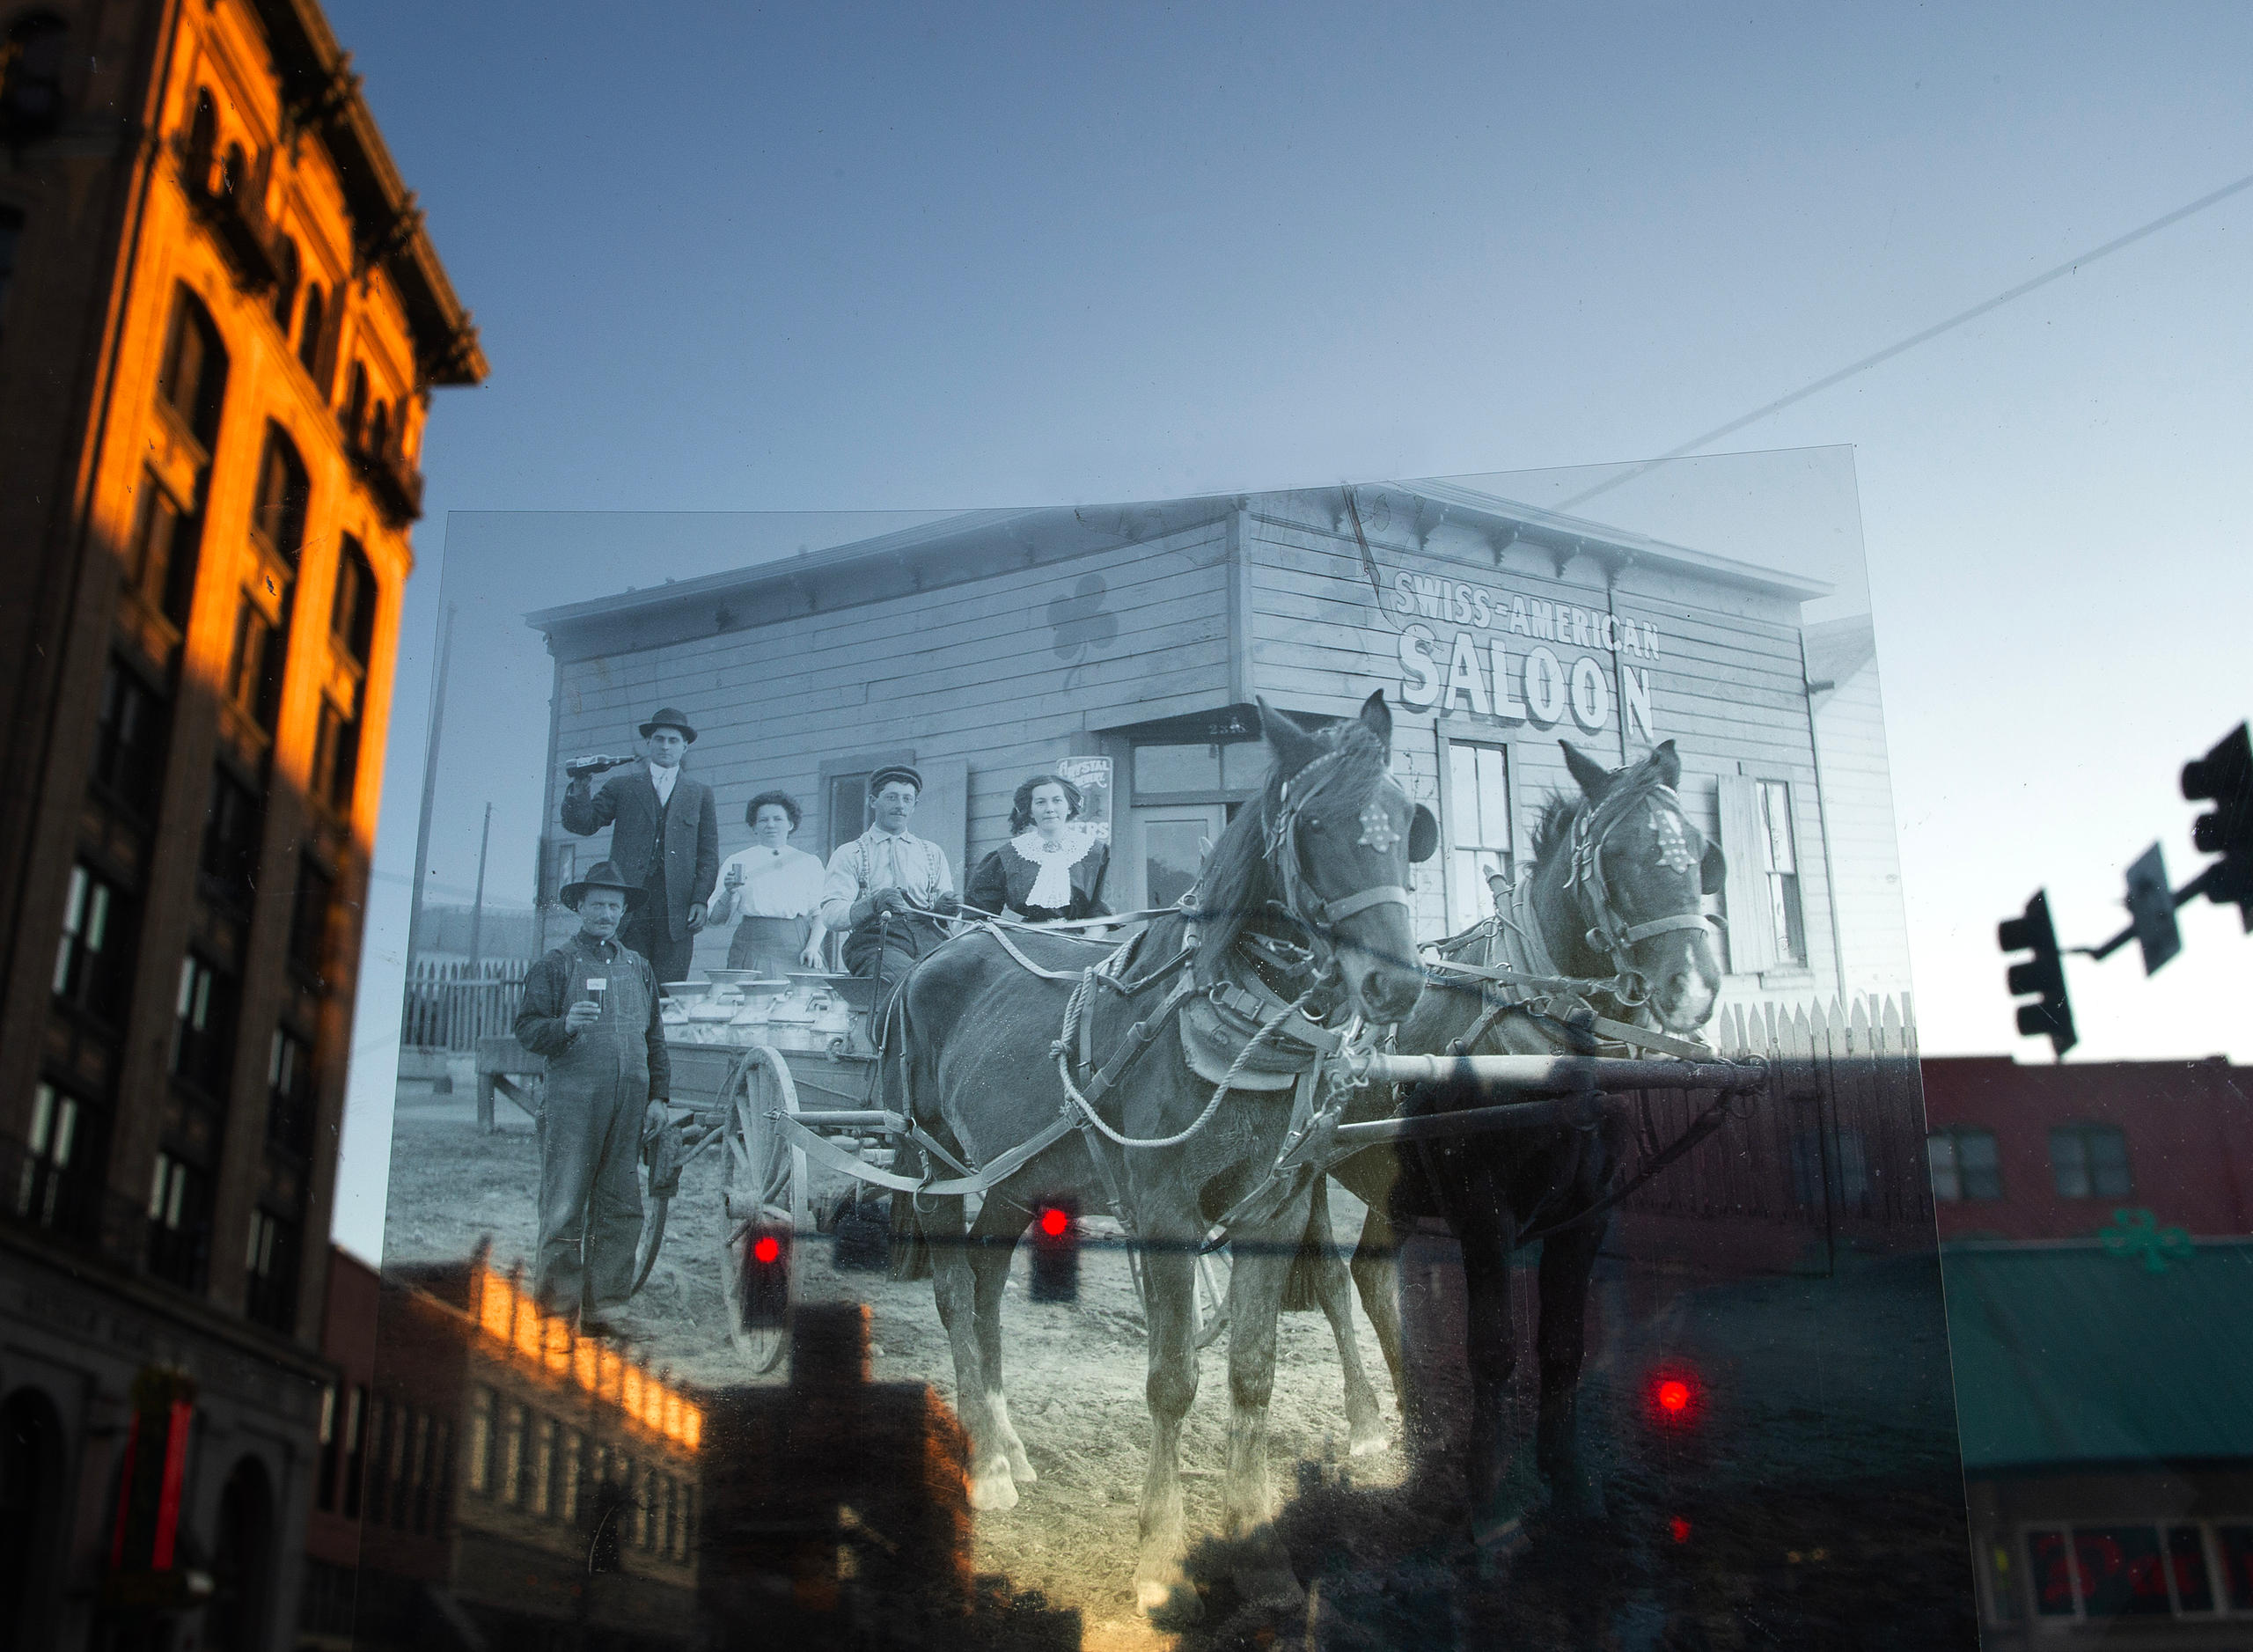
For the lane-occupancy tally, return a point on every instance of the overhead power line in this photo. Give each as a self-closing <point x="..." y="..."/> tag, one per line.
<point x="1987" y="306"/>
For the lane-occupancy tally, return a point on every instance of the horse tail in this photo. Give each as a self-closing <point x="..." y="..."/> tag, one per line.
<point x="911" y="1249"/>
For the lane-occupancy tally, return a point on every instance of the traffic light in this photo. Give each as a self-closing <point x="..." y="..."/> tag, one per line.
<point x="2151" y="909"/>
<point x="767" y="1277"/>
<point x="1056" y="1253"/>
<point x="2224" y="777"/>
<point x="2044" y="972"/>
<point x="1674" y="1396"/>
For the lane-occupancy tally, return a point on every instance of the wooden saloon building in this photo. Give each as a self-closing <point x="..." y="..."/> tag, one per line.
<point x="990" y="646"/>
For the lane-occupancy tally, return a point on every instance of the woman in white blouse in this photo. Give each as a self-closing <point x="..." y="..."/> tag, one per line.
<point x="1052" y="868"/>
<point x="773" y="891"/>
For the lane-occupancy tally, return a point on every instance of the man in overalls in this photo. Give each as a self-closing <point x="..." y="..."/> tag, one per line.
<point x="590" y="1007"/>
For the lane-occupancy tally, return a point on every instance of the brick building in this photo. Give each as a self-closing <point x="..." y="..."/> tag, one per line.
<point x="220" y="322"/>
<point x="2050" y="1152"/>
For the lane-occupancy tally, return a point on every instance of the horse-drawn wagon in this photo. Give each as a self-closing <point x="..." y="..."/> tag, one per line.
<point x="1015" y="1067"/>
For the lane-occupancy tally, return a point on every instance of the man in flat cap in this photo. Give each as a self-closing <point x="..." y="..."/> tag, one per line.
<point x="590" y="1007"/>
<point x="886" y="888"/>
<point x="665" y="836"/>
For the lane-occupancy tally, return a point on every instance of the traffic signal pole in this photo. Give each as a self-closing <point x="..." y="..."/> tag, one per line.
<point x="2224" y="777"/>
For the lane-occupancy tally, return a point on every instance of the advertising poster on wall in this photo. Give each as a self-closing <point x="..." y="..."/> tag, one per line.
<point x="1040" y="935"/>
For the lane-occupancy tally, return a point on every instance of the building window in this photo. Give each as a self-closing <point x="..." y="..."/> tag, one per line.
<point x="310" y="322"/>
<point x="202" y="144"/>
<point x="1779" y="861"/>
<point x="1477" y="830"/>
<point x="541" y="1488"/>
<point x="287" y="269"/>
<point x="356" y="1429"/>
<point x="2099" y="1572"/>
<point x="179" y="1222"/>
<point x="164" y="537"/>
<point x="129" y="740"/>
<point x="1767" y="924"/>
<point x="257" y="660"/>
<point x="53" y="1187"/>
<point x="93" y="957"/>
<point x="331" y="1440"/>
<point x="194" y="379"/>
<point x="355" y="404"/>
<point x="336" y="757"/>
<point x="289" y="1093"/>
<point x="575" y="1466"/>
<point x="417" y="1510"/>
<point x="352" y="615"/>
<point x="513" y="1455"/>
<point x="2089" y="1161"/>
<point x="31" y="88"/>
<point x="309" y="917"/>
<point x="481" y="1441"/>
<point x="272" y="1299"/>
<point x="1965" y="1164"/>
<point x="383" y="1417"/>
<point x="1197" y="772"/>
<point x="204" y="1025"/>
<point x="278" y="516"/>
<point x="233" y="831"/>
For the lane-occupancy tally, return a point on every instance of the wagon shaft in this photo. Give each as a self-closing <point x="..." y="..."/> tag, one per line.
<point x="1563" y="1075"/>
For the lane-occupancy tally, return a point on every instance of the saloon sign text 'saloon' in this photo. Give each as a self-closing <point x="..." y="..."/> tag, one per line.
<point x="1538" y="686"/>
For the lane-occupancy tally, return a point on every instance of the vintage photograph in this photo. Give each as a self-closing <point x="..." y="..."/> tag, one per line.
<point x="1353" y="1043"/>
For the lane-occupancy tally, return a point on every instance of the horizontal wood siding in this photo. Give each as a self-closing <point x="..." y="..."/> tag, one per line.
<point x="1003" y="672"/>
<point x="1858" y="806"/>
<point x="1727" y="683"/>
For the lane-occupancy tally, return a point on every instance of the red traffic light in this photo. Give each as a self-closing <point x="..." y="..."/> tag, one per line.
<point x="1674" y="1396"/>
<point x="1056" y="1253"/>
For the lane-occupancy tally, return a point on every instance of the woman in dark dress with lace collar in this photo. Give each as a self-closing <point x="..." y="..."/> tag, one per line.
<point x="1052" y="868"/>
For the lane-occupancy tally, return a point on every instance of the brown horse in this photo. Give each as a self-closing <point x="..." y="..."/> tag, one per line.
<point x="1619" y="874"/>
<point x="1321" y="860"/>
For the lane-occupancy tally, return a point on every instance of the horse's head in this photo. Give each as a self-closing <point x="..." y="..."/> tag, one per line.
<point x="1340" y="833"/>
<point x="1638" y="872"/>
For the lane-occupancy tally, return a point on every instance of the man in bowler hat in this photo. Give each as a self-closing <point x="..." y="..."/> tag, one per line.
<point x="590" y="1007"/>
<point x="665" y="836"/>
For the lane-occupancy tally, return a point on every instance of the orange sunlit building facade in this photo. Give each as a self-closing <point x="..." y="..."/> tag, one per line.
<point x="221" y="320"/>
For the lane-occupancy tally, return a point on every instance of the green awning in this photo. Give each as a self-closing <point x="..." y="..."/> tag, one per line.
<point x="2066" y="1353"/>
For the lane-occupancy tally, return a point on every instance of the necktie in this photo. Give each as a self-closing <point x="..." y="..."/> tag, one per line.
<point x="899" y="879"/>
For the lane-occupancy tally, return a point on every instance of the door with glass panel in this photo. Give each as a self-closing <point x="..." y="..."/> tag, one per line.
<point x="1479" y="856"/>
<point x="1165" y="850"/>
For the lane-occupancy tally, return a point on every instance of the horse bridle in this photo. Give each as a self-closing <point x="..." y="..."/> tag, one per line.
<point x="1319" y="916"/>
<point x="1608" y="931"/>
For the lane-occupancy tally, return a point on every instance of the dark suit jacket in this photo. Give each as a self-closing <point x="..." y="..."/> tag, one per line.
<point x="628" y="804"/>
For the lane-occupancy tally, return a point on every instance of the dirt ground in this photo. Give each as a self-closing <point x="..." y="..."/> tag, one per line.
<point x="1821" y="1476"/>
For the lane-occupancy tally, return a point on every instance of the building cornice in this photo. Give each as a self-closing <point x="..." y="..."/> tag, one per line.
<point x="322" y="95"/>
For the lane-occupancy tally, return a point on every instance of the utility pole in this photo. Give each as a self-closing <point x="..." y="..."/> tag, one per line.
<point x="429" y="785"/>
<point x="477" y="910"/>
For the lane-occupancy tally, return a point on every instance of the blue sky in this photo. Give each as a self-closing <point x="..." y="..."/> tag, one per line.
<point x="862" y="259"/>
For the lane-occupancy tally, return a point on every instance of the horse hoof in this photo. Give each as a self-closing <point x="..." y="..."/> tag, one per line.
<point x="1370" y="1442"/>
<point x="1021" y="1467"/>
<point x="991" y="1493"/>
<point x="1271" y="1588"/>
<point x="1167" y="1604"/>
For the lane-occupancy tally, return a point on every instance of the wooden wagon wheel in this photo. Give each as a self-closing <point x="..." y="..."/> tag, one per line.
<point x="762" y="1185"/>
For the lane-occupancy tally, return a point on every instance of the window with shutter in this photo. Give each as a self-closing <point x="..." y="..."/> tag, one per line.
<point x="1752" y="933"/>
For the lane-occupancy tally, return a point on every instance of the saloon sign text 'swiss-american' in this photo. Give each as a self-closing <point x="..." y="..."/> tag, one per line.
<point x="1454" y="671"/>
